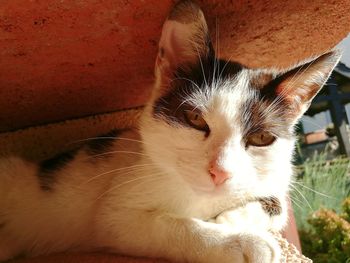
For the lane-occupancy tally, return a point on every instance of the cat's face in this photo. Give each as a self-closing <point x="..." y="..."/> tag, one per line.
<point x="218" y="126"/>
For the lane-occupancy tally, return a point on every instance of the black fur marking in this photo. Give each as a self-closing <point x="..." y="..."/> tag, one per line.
<point x="187" y="81"/>
<point x="47" y="168"/>
<point x="2" y="225"/>
<point x="258" y="119"/>
<point x="277" y="119"/>
<point x="271" y="205"/>
<point x="102" y="143"/>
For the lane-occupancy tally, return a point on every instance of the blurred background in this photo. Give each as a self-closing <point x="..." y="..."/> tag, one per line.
<point x="321" y="189"/>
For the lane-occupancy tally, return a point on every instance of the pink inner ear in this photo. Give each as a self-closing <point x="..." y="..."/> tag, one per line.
<point x="279" y="90"/>
<point x="308" y="79"/>
<point x="175" y="45"/>
<point x="286" y="94"/>
<point x="168" y="47"/>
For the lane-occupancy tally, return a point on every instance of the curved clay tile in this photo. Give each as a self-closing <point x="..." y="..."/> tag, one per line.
<point x="66" y="59"/>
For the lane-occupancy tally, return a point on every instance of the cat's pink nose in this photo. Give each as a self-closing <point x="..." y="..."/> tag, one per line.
<point x="218" y="175"/>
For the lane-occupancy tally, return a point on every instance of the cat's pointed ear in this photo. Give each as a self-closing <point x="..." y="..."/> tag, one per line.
<point x="184" y="39"/>
<point x="298" y="86"/>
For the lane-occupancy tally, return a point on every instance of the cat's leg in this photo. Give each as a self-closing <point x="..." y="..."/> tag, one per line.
<point x="183" y="239"/>
<point x="254" y="216"/>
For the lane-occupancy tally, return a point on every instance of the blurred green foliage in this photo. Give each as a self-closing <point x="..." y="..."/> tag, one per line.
<point x="328" y="241"/>
<point x="320" y="195"/>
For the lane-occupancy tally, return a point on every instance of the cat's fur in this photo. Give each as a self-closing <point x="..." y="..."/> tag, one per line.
<point x="150" y="192"/>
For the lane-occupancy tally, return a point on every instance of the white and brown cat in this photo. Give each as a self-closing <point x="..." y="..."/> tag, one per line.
<point x="203" y="179"/>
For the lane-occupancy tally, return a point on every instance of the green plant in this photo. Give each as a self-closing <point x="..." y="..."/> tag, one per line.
<point x="328" y="240"/>
<point x="319" y="183"/>
<point x="321" y="214"/>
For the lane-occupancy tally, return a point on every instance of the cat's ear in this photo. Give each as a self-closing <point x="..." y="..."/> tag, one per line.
<point x="184" y="39"/>
<point x="299" y="85"/>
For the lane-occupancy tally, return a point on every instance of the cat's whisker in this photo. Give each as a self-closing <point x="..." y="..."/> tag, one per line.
<point x="116" y="152"/>
<point x="182" y="78"/>
<point x="295" y="199"/>
<point x="312" y="190"/>
<point x="215" y="61"/>
<point x="202" y="67"/>
<point x="148" y="181"/>
<point x="127" y="182"/>
<point x="300" y="75"/>
<point x="303" y="196"/>
<point x="128" y="169"/>
<point x="290" y="84"/>
<point x="314" y="123"/>
<point x="296" y="202"/>
<point x="106" y="138"/>
<point x="296" y="74"/>
<point x="182" y="103"/>
<point x="224" y="67"/>
<point x="130" y="140"/>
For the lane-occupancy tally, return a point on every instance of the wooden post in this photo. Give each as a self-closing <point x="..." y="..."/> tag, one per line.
<point x="337" y="111"/>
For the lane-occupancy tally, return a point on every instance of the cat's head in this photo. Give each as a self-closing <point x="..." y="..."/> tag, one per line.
<point x="217" y="125"/>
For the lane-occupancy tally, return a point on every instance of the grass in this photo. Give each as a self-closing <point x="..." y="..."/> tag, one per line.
<point x="320" y="183"/>
<point x="318" y="193"/>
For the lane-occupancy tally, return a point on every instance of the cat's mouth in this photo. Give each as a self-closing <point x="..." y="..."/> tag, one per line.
<point x="200" y="186"/>
<point x="207" y="187"/>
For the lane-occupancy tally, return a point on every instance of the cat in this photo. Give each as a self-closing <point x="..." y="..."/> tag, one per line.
<point x="204" y="178"/>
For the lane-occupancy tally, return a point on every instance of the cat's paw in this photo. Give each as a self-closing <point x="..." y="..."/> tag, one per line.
<point x="260" y="248"/>
<point x="249" y="248"/>
<point x="249" y="218"/>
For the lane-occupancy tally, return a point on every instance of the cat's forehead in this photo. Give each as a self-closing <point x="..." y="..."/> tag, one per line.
<point x="203" y="86"/>
<point x="211" y="85"/>
<point x="227" y="93"/>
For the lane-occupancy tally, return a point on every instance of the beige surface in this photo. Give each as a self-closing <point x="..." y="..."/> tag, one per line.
<point x="86" y="258"/>
<point x="39" y="142"/>
<point x="289" y="255"/>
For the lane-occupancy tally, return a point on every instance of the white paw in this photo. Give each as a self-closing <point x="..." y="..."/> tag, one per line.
<point x="260" y="248"/>
<point x="248" y="248"/>
<point x="246" y="219"/>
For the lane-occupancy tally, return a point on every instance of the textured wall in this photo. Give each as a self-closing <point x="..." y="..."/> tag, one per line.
<point x="65" y="59"/>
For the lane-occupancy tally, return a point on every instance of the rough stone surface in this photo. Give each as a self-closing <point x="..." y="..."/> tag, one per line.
<point x="66" y="59"/>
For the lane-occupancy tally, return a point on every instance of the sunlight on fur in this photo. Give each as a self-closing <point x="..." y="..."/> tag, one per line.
<point x="204" y="178"/>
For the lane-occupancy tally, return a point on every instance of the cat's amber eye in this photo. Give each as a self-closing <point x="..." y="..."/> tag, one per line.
<point x="260" y="139"/>
<point x="196" y="120"/>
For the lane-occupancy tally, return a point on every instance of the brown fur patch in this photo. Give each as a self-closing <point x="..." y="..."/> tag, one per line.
<point x="259" y="116"/>
<point x="271" y="205"/>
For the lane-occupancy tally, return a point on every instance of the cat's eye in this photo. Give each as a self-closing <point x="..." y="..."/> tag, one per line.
<point x="260" y="139"/>
<point x="196" y="120"/>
